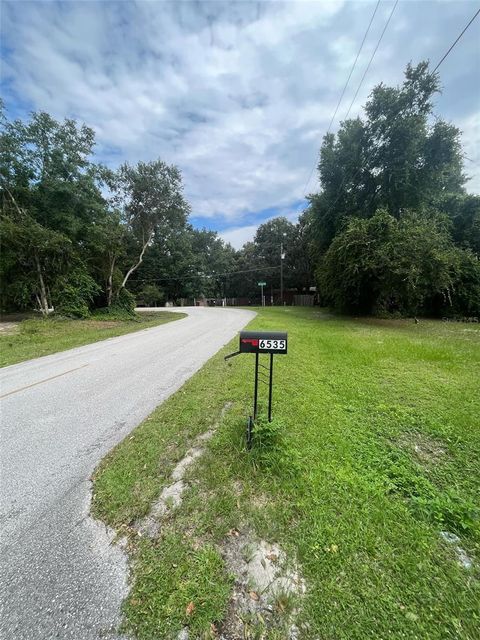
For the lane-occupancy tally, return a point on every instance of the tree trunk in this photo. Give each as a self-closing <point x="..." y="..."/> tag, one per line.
<point x="43" y="299"/>
<point x="138" y="263"/>
<point x="110" y="282"/>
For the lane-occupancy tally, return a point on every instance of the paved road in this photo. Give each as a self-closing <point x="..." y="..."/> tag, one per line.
<point x="60" y="576"/>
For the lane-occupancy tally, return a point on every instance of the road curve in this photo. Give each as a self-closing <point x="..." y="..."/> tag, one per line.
<point x="60" y="414"/>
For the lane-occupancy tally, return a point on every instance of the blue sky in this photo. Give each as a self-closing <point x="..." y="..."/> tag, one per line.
<point x="237" y="94"/>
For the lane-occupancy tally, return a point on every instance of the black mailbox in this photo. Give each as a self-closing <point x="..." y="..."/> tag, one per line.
<point x="263" y="342"/>
<point x="259" y="342"/>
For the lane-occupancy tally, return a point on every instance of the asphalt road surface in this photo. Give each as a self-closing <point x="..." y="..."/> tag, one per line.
<point x="60" y="575"/>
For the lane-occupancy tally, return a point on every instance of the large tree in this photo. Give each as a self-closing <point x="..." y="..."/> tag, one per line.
<point x="398" y="157"/>
<point x="186" y="263"/>
<point x="406" y="163"/>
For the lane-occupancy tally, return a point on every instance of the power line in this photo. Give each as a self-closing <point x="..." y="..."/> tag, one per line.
<point x="188" y="276"/>
<point x="453" y="45"/>
<point x="371" y="58"/>
<point x="345" y="87"/>
<point x="354" y="65"/>
<point x="360" y="85"/>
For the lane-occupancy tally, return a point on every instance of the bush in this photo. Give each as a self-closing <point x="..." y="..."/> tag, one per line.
<point x="125" y="300"/>
<point x="402" y="266"/>
<point x="73" y="294"/>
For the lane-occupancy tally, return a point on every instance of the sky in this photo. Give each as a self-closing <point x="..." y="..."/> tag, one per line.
<point x="237" y="94"/>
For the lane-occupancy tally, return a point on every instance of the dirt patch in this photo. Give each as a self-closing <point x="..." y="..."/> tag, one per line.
<point x="427" y="450"/>
<point x="267" y="591"/>
<point x="463" y="558"/>
<point x="268" y="586"/>
<point x="172" y="495"/>
<point x="8" y="328"/>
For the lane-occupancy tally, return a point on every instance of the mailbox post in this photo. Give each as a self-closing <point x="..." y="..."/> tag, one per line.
<point x="261" y="342"/>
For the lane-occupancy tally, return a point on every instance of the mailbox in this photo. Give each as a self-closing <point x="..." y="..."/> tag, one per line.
<point x="263" y="342"/>
<point x="259" y="342"/>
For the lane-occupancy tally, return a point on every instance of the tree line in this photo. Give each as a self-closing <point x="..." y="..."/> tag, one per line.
<point x="77" y="236"/>
<point x="392" y="229"/>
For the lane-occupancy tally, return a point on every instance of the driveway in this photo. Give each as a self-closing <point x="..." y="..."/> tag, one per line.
<point x="60" y="575"/>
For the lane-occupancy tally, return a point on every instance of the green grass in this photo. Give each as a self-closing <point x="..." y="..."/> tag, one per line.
<point x="375" y="450"/>
<point x="41" y="336"/>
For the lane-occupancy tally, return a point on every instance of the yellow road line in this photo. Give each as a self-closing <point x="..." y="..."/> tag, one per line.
<point x="34" y="384"/>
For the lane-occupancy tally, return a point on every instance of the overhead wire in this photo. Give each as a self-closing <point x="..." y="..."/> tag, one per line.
<point x="371" y="59"/>
<point x="345" y="86"/>
<point x="356" y="94"/>
<point x="447" y="53"/>
<point x="453" y="45"/>
<point x="353" y="66"/>
<point x="204" y="275"/>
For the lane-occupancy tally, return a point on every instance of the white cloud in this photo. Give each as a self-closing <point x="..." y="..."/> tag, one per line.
<point x="237" y="94"/>
<point x="470" y="128"/>
<point x="238" y="236"/>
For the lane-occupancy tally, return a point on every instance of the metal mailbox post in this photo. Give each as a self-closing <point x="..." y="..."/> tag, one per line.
<point x="258" y="342"/>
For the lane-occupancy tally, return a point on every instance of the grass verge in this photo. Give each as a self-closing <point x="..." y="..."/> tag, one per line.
<point x="375" y="450"/>
<point x="42" y="336"/>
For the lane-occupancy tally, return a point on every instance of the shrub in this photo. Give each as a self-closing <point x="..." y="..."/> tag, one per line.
<point x="73" y="293"/>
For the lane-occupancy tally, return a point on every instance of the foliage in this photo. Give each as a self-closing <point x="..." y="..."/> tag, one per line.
<point x="62" y="213"/>
<point x="384" y="264"/>
<point x="73" y="293"/>
<point x="150" y="199"/>
<point x="192" y="263"/>
<point x="66" y="220"/>
<point x="393" y="229"/>
<point x="51" y="199"/>
<point x="151" y="295"/>
<point x="260" y="260"/>
<point x="125" y="301"/>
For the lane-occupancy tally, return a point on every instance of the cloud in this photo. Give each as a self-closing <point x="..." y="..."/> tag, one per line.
<point x="238" y="236"/>
<point x="237" y="94"/>
<point x="470" y="128"/>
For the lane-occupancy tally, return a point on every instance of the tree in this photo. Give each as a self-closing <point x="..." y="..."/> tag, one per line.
<point x="186" y="263"/>
<point x="394" y="158"/>
<point x="51" y="200"/>
<point x="151" y="295"/>
<point x="32" y="258"/>
<point x="464" y="212"/>
<point x="150" y="197"/>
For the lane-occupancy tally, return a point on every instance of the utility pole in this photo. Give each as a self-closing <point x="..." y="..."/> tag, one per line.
<point x="282" y="256"/>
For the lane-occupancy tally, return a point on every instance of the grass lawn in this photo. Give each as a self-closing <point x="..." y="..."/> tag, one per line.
<point x="377" y="450"/>
<point x="41" y="336"/>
